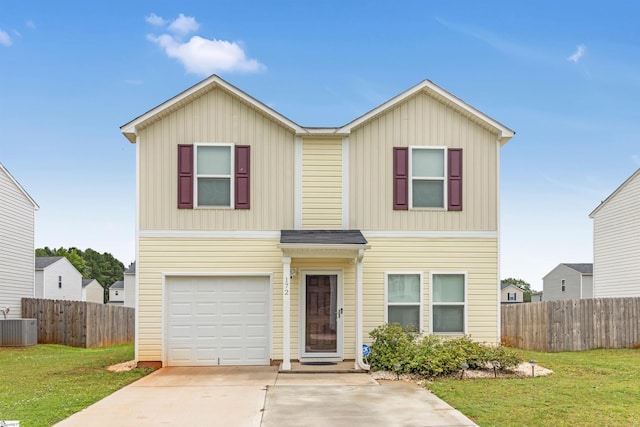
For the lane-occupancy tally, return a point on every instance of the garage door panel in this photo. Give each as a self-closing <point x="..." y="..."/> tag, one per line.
<point x="218" y="320"/>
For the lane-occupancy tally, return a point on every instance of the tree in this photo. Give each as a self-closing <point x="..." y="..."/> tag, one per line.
<point x="526" y="288"/>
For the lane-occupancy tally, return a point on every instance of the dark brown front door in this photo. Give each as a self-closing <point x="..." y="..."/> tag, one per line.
<point x="321" y="331"/>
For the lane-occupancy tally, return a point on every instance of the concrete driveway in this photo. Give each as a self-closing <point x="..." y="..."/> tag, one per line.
<point x="260" y="396"/>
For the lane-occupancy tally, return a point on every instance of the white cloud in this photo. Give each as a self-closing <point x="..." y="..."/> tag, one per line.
<point x="156" y="20"/>
<point x="579" y="53"/>
<point x="5" y="40"/>
<point x="184" y="25"/>
<point x="31" y="24"/>
<point x="200" y="55"/>
<point x="203" y="56"/>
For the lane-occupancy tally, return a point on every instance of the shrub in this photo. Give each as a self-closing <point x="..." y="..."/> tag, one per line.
<point x="398" y="350"/>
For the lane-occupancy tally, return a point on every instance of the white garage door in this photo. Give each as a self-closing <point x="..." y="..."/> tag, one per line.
<point x="217" y="321"/>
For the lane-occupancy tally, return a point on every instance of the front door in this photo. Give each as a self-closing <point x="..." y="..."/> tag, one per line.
<point x="322" y="318"/>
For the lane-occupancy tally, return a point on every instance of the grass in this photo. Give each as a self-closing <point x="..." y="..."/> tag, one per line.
<point x="45" y="384"/>
<point x="587" y="388"/>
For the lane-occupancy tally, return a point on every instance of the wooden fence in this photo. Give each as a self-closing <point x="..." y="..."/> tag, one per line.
<point x="80" y="324"/>
<point x="572" y="325"/>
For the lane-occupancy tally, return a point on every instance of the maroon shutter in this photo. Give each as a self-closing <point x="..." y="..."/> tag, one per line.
<point x="242" y="177"/>
<point x="455" y="179"/>
<point x="185" y="176"/>
<point x="400" y="178"/>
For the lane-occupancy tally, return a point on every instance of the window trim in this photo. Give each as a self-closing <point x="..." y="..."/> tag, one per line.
<point x="465" y="303"/>
<point x="515" y="296"/>
<point x="420" y="303"/>
<point x="231" y="175"/>
<point x="445" y="177"/>
<point x="563" y="285"/>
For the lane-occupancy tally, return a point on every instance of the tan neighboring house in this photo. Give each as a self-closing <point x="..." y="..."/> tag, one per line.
<point x="568" y="281"/>
<point x="116" y="293"/>
<point x="263" y="241"/>
<point x="616" y="242"/>
<point x="56" y="278"/>
<point x="511" y="294"/>
<point x="17" y="236"/>
<point x="130" y="286"/>
<point x="92" y="291"/>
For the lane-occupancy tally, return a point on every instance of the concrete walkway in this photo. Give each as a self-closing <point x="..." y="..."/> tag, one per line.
<point x="259" y="396"/>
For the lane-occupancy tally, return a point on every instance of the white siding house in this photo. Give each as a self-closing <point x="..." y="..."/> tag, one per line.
<point x="56" y="278"/>
<point x="616" y="242"/>
<point x="568" y="281"/>
<point x="17" y="219"/>
<point x="130" y="286"/>
<point x="116" y="293"/>
<point x="92" y="291"/>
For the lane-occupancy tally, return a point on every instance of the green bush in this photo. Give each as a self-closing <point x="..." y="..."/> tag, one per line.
<point x="397" y="350"/>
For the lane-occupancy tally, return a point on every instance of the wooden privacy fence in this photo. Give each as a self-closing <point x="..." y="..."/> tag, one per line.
<point x="572" y="325"/>
<point x="80" y="324"/>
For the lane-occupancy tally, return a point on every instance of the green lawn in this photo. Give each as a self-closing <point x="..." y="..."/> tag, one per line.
<point x="587" y="388"/>
<point x="44" y="384"/>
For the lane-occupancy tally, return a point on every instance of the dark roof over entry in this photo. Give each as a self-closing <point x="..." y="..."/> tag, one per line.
<point x="323" y="237"/>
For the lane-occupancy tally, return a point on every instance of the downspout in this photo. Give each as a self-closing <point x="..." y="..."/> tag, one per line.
<point x="359" y="360"/>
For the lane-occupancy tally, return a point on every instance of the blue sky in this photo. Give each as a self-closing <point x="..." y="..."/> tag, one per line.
<point x="564" y="75"/>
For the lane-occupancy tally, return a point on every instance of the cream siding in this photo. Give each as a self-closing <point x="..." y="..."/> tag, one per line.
<point x="217" y="117"/>
<point x="421" y="121"/>
<point x="477" y="257"/>
<point x="93" y="292"/>
<point x="321" y="184"/>
<point x="504" y="294"/>
<point x="616" y="253"/>
<point x="17" y="216"/>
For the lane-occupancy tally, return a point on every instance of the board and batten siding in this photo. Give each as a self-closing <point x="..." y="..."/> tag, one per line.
<point x="216" y="117"/>
<point x="17" y="261"/>
<point x="421" y="121"/>
<point x="616" y="252"/>
<point x="322" y="184"/>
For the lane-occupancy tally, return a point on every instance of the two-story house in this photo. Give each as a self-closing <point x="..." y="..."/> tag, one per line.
<point x="568" y="281"/>
<point x="260" y="240"/>
<point x="616" y="242"/>
<point x="56" y="278"/>
<point x="17" y="234"/>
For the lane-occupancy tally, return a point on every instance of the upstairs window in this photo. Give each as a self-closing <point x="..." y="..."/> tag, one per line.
<point x="214" y="165"/>
<point x="563" y="285"/>
<point x="511" y="296"/>
<point x="427" y="178"/>
<point x="60" y="282"/>
<point x="428" y="171"/>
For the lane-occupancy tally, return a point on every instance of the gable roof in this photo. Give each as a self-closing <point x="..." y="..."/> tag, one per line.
<point x="506" y="285"/>
<point x="86" y="282"/>
<point x="17" y="184"/>
<point x="615" y="192"/>
<point x="131" y="128"/>
<point x="131" y="269"/>
<point x="43" y="262"/>
<point x="584" y="268"/>
<point x="117" y="285"/>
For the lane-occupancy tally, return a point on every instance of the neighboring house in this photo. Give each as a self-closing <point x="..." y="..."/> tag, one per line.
<point x="116" y="293"/>
<point x="17" y="225"/>
<point x="92" y="291"/>
<point x="536" y="296"/>
<point x="568" y="281"/>
<point x="260" y="240"/>
<point x="57" y="279"/>
<point x="616" y="242"/>
<point x="130" y="286"/>
<point x="510" y="294"/>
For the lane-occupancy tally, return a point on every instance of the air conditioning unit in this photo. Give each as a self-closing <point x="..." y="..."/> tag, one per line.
<point x="18" y="332"/>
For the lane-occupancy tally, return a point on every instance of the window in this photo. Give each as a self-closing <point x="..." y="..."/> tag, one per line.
<point x="116" y="292"/>
<point x="448" y="303"/>
<point x="213" y="175"/>
<point x="427" y="178"/>
<point x="563" y="285"/>
<point x="511" y="296"/>
<point x="404" y="297"/>
<point x="60" y="282"/>
<point x="428" y="171"/>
